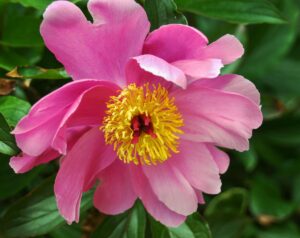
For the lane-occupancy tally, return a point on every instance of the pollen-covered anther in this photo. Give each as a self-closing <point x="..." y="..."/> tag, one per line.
<point x="143" y="124"/>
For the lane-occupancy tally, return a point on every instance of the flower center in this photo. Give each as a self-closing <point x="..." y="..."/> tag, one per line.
<point x="143" y="124"/>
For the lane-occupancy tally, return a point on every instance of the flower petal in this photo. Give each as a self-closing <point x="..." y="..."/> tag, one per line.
<point x="156" y="208"/>
<point x="157" y="67"/>
<point x="224" y="118"/>
<point x="197" y="69"/>
<point x="171" y="188"/>
<point x="87" y="110"/>
<point x="175" y="42"/>
<point x="198" y="166"/>
<point x="23" y="163"/>
<point x="78" y="171"/>
<point x="99" y="50"/>
<point x="115" y="193"/>
<point x="233" y="83"/>
<point x="228" y="48"/>
<point x="36" y="131"/>
<point x="220" y="157"/>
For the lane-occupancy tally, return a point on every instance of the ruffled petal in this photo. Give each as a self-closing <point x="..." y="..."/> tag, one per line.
<point x="228" y="48"/>
<point x="99" y="50"/>
<point x="115" y="193"/>
<point x="154" y="207"/>
<point x="23" y="163"/>
<point x="175" y="42"/>
<point x="197" y="165"/>
<point x="78" y="171"/>
<point x="220" y="157"/>
<point x="233" y="83"/>
<point x="36" y="131"/>
<point x="198" y="69"/>
<point x="223" y="118"/>
<point x="157" y="67"/>
<point x="172" y="188"/>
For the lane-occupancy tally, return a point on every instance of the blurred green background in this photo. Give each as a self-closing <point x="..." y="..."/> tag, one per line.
<point x="261" y="190"/>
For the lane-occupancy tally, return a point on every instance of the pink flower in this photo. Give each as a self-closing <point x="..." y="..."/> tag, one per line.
<point x="143" y="115"/>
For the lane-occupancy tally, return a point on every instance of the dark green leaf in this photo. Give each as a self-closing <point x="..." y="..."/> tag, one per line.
<point x="269" y="44"/>
<point x="7" y="141"/>
<point x="38" y="4"/>
<point x="13" y="57"/>
<point x="35" y="72"/>
<point x="11" y="183"/>
<point x="194" y="227"/>
<point x="66" y="231"/>
<point x="226" y="213"/>
<point x="37" y="213"/>
<point x="236" y="11"/>
<point x="161" y="12"/>
<point x="131" y="224"/>
<point x="20" y="28"/>
<point x="288" y="230"/>
<point x="13" y="109"/>
<point x="265" y="199"/>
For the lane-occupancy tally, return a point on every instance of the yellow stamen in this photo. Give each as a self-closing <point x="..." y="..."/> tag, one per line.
<point x="132" y="104"/>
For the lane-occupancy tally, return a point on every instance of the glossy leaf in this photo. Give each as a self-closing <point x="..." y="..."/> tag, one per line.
<point x="13" y="109"/>
<point x="236" y="11"/>
<point x="7" y="141"/>
<point x="36" y="213"/>
<point x="129" y="224"/>
<point x="161" y="12"/>
<point x="266" y="199"/>
<point x="194" y="227"/>
<point x="35" y="72"/>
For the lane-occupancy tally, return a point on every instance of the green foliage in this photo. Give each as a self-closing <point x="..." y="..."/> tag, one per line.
<point x="236" y="11"/>
<point x="260" y="197"/>
<point x="161" y="12"/>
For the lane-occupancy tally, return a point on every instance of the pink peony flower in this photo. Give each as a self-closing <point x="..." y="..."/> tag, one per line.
<point x="143" y="115"/>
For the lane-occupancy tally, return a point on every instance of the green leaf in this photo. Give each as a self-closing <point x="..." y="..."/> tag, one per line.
<point x="265" y="199"/>
<point x="287" y="230"/>
<point x="230" y="204"/>
<point x="20" y="27"/>
<point x="66" y="231"/>
<point x="13" y="57"/>
<point x="38" y="4"/>
<point x="7" y="142"/>
<point x="35" y="72"/>
<point x="194" y="227"/>
<point x="269" y="44"/>
<point x="36" y="213"/>
<point x="284" y="131"/>
<point x="131" y="224"/>
<point x="236" y="11"/>
<point x="161" y="12"/>
<point x="13" y="109"/>
<point x="11" y="183"/>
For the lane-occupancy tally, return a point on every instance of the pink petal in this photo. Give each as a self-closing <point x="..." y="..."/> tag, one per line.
<point x="87" y="110"/>
<point x="36" y="131"/>
<point x="200" y="196"/>
<point x="220" y="157"/>
<point x="233" y="83"/>
<point x="78" y="171"/>
<point x="99" y="50"/>
<point x="175" y="42"/>
<point x="228" y="48"/>
<point x="224" y="118"/>
<point x="171" y="188"/>
<point x="157" y="67"/>
<point x="198" y="166"/>
<point x="115" y="193"/>
<point x="198" y="69"/>
<point x="155" y="208"/>
<point x="23" y="163"/>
